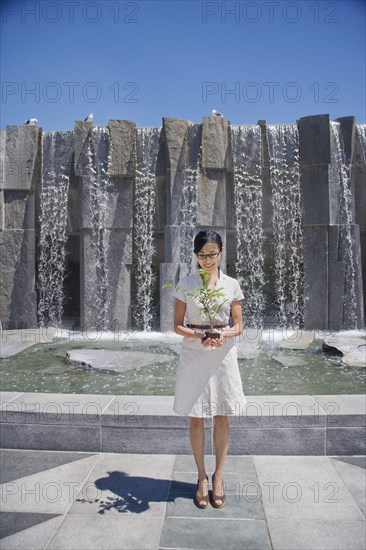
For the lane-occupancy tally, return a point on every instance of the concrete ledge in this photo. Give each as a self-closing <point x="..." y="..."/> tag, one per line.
<point x="275" y="424"/>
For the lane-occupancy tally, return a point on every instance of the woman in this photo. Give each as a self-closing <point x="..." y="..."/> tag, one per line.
<point x="208" y="384"/>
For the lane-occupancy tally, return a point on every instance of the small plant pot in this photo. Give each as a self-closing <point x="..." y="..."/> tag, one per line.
<point x="212" y="334"/>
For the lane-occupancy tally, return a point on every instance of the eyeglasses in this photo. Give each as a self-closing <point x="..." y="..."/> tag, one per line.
<point x="210" y="256"/>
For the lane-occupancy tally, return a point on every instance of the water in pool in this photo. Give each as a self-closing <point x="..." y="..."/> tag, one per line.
<point x="270" y="370"/>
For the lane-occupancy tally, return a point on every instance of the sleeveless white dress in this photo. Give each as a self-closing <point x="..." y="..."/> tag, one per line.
<point x="208" y="383"/>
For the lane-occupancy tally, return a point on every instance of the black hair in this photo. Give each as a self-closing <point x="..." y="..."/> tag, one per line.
<point x="204" y="237"/>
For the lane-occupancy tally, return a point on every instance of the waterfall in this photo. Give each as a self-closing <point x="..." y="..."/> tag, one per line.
<point x="283" y="143"/>
<point x="343" y="170"/>
<point x="361" y="131"/>
<point x="249" y="266"/>
<point x="143" y="240"/>
<point x="56" y="154"/>
<point x="98" y="187"/>
<point x="188" y="210"/>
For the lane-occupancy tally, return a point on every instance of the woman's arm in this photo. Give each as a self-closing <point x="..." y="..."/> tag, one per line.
<point x="237" y="316"/>
<point x="179" y="328"/>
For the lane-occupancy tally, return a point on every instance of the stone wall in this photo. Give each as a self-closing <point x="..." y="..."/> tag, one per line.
<point x="181" y="144"/>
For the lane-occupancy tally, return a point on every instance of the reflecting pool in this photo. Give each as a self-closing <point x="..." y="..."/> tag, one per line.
<point x="265" y="368"/>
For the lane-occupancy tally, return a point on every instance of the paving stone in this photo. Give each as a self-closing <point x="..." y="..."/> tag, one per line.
<point x="352" y="471"/>
<point x="94" y="532"/>
<point x="13" y="522"/>
<point x="290" y="534"/>
<point x="213" y="533"/>
<point x="304" y="488"/>
<point x="242" y="496"/>
<point x="50" y="491"/>
<point x="35" y="537"/>
<point x="16" y="464"/>
<point x="126" y="483"/>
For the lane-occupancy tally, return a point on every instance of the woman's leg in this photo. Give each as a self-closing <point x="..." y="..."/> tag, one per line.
<point x="221" y="443"/>
<point x="197" y="437"/>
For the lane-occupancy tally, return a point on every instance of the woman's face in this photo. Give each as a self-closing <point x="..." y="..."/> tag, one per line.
<point x="209" y="257"/>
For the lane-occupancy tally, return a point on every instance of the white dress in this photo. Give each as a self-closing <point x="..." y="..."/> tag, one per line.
<point x="208" y="383"/>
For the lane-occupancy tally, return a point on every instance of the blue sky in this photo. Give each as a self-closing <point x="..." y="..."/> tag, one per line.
<point x="144" y="60"/>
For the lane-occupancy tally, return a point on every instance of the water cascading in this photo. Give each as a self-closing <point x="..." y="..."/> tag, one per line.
<point x="283" y="143"/>
<point x="361" y="130"/>
<point x="249" y="266"/>
<point x="188" y="206"/>
<point x="98" y="186"/>
<point x="346" y="241"/>
<point x="147" y="148"/>
<point x="56" y="152"/>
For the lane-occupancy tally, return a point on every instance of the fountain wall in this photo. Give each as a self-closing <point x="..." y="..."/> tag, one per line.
<point x="95" y="220"/>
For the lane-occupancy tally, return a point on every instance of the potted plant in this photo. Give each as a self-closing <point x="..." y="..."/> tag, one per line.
<point x="211" y="300"/>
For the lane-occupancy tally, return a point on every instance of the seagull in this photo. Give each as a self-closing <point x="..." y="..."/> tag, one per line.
<point x="31" y="122"/>
<point x="89" y="118"/>
<point x="216" y="113"/>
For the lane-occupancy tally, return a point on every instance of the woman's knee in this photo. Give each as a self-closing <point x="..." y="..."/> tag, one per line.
<point x="196" y="422"/>
<point x="220" y="420"/>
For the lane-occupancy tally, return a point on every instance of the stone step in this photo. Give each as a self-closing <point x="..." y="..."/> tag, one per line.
<point x="276" y="424"/>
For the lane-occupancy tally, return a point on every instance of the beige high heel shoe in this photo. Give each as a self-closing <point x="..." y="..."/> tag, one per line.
<point x="201" y="502"/>
<point x="215" y="497"/>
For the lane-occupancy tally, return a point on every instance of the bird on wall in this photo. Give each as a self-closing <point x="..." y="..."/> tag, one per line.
<point x="216" y="113"/>
<point x="31" y="122"/>
<point x="89" y="118"/>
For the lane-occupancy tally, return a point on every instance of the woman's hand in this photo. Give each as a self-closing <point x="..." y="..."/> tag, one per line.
<point x="213" y="342"/>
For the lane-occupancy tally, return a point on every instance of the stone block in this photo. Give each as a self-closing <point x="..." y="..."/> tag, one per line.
<point x="82" y="129"/>
<point x="120" y="288"/>
<point x="215" y="143"/>
<point x="336" y="294"/>
<point x="21" y="154"/>
<point x="174" y="133"/>
<point x="122" y="147"/>
<point x="320" y="194"/>
<point x="73" y="211"/>
<point x="147" y="440"/>
<point x="142" y="411"/>
<point x="2" y="213"/>
<point x="211" y="193"/>
<point x="360" y="199"/>
<point x="342" y="410"/>
<point x="51" y="437"/>
<point x="174" y="191"/>
<point x="118" y="253"/>
<point x="176" y="158"/>
<point x="55" y="409"/>
<point x="346" y="441"/>
<point x="314" y="135"/>
<point x="19" y="210"/>
<point x="18" y="304"/>
<point x="277" y="411"/>
<point x="316" y="277"/>
<point x="359" y="153"/>
<point x="109" y="207"/>
<point x="278" y="441"/>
